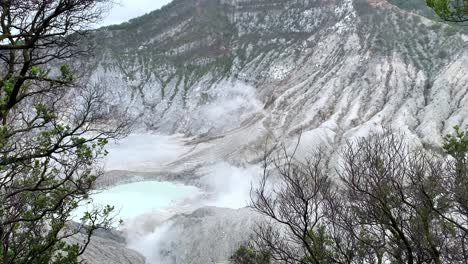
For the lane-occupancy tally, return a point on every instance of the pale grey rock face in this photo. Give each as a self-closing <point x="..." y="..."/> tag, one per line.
<point x="339" y="67"/>
<point x="108" y="247"/>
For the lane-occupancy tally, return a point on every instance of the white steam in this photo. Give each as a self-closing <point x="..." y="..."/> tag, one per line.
<point x="143" y="152"/>
<point x="147" y="244"/>
<point x="230" y="185"/>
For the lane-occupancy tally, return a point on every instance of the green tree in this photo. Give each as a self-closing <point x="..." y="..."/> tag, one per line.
<point x="247" y="255"/>
<point x="456" y="146"/>
<point x="450" y="10"/>
<point x="54" y="128"/>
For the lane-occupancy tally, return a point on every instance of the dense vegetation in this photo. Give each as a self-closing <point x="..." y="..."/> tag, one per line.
<point x="450" y="10"/>
<point x="54" y="128"/>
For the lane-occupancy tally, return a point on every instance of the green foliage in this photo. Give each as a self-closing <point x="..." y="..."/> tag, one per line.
<point x="450" y="10"/>
<point x="66" y="73"/>
<point x="7" y="90"/>
<point x="320" y="245"/>
<point x="456" y="144"/>
<point x="35" y="70"/>
<point x="247" y="255"/>
<point x="49" y="142"/>
<point x="8" y="86"/>
<point x="44" y="112"/>
<point x="37" y="210"/>
<point x="39" y="72"/>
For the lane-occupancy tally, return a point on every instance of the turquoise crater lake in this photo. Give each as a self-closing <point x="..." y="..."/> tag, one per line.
<point x="133" y="199"/>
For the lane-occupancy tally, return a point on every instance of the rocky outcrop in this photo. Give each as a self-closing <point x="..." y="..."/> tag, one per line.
<point x="107" y="247"/>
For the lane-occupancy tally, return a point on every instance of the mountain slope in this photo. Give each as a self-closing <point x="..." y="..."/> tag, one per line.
<point x="208" y="66"/>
